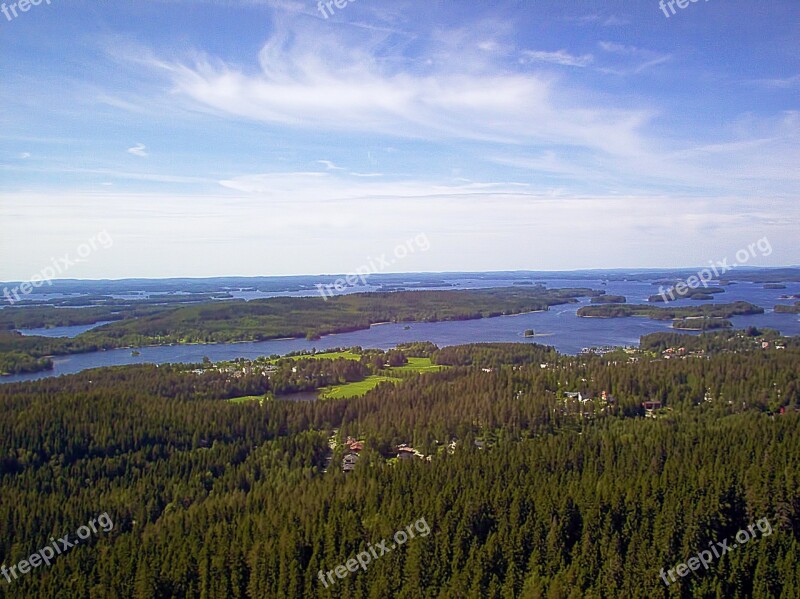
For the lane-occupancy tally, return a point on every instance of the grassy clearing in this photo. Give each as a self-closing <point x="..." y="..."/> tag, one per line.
<point x="246" y="398"/>
<point x="418" y="365"/>
<point x="356" y="389"/>
<point x="347" y="355"/>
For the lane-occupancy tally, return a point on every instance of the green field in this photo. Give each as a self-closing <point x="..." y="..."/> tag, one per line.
<point x="246" y="398"/>
<point x="418" y="365"/>
<point x="359" y="388"/>
<point x="356" y="389"/>
<point x="347" y="355"/>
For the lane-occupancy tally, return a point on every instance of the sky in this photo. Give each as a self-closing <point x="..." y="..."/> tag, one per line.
<point x="143" y="138"/>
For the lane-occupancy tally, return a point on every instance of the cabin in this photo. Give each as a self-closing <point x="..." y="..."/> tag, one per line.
<point x="349" y="462"/>
<point x="353" y="445"/>
<point x="650" y="408"/>
<point x="405" y="453"/>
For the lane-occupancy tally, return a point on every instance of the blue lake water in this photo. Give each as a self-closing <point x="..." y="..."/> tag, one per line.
<point x="559" y="327"/>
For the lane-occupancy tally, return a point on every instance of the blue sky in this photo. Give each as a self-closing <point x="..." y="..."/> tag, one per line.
<point x="262" y="138"/>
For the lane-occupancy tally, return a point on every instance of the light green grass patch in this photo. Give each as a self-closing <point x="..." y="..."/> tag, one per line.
<point x="356" y="389"/>
<point x="347" y="355"/>
<point x="246" y="398"/>
<point x="418" y="365"/>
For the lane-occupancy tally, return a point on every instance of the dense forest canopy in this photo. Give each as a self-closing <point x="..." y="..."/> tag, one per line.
<point x="527" y="493"/>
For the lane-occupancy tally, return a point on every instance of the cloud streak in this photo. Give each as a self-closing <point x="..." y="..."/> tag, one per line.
<point x="138" y="150"/>
<point x="316" y="81"/>
<point x="561" y="57"/>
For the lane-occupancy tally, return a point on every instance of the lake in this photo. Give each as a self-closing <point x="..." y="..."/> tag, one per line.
<point x="559" y="327"/>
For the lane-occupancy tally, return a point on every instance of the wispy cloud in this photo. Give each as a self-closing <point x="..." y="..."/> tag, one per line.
<point x="138" y="150"/>
<point x="633" y="60"/>
<point x="561" y="57"/>
<point x="319" y="81"/>
<point x="317" y="187"/>
<point x="605" y="21"/>
<point x="330" y="165"/>
<point x="782" y="83"/>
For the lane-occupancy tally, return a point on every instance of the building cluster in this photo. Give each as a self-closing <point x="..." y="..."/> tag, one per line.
<point x="575" y="403"/>
<point x="352" y="450"/>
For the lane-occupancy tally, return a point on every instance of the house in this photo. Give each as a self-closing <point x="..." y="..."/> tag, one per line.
<point x="354" y="445"/>
<point x="405" y="453"/>
<point x="349" y="462"/>
<point x="650" y="408"/>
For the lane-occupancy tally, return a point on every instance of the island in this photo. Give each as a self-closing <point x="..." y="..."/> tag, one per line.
<point x="609" y="299"/>
<point x="702" y="324"/>
<point x="782" y="309"/>
<point x="671" y="295"/>
<point x="705" y="310"/>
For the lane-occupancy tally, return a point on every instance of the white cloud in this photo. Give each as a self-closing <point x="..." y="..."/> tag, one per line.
<point x="561" y="57"/>
<point x="780" y="83"/>
<point x="610" y="21"/>
<point x="330" y="165"/>
<point x="632" y="60"/>
<point x="316" y="187"/>
<point x="504" y="226"/>
<point x="318" y="81"/>
<point x="138" y="150"/>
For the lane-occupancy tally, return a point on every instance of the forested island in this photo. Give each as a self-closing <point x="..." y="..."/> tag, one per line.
<point x="608" y="299"/>
<point x="702" y="324"/>
<point x="705" y="310"/>
<point x="672" y="294"/>
<point x="783" y="309"/>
